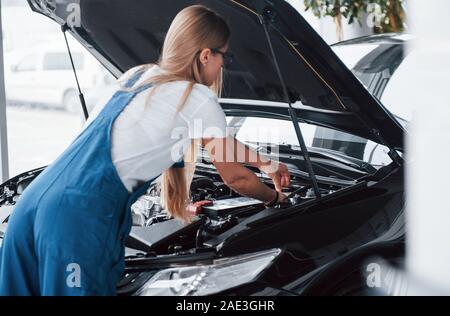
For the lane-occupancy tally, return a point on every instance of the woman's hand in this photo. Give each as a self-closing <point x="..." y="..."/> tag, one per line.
<point x="281" y="197"/>
<point x="279" y="174"/>
<point x="241" y="179"/>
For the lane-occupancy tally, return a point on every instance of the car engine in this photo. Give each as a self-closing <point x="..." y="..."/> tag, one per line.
<point x="210" y="198"/>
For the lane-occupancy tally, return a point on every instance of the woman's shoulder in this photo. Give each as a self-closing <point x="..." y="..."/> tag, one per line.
<point x="147" y="69"/>
<point x="198" y="94"/>
<point x="203" y="92"/>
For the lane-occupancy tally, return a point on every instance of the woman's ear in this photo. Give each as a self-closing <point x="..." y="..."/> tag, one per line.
<point x="205" y="55"/>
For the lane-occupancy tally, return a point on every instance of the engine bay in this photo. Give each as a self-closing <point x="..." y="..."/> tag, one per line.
<point x="213" y="200"/>
<point x="215" y="210"/>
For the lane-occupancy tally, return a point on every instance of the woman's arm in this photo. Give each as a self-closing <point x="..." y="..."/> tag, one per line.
<point x="277" y="171"/>
<point x="226" y="159"/>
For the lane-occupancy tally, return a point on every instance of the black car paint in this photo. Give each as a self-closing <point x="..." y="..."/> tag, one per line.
<point x="312" y="235"/>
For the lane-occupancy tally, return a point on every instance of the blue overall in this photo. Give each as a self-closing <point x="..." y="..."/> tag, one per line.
<point x="67" y="232"/>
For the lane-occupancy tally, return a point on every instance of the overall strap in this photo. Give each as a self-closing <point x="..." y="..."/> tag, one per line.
<point x="144" y="187"/>
<point x="178" y="164"/>
<point x="135" y="77"/>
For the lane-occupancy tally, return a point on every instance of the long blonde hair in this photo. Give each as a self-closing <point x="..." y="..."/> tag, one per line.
<point x="194" y="28"/>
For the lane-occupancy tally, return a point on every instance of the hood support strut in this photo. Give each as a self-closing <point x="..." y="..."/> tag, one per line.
<point x="64" y="28"/>
<point x="266" y="20"/>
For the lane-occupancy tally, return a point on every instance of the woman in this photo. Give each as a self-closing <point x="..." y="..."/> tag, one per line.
<point x="66" y="235"/>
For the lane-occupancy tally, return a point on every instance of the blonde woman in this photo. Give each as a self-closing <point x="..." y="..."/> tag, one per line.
<point x="66" y="235"/>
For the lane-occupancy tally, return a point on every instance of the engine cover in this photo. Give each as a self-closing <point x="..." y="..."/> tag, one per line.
<point x="225" y="207"/>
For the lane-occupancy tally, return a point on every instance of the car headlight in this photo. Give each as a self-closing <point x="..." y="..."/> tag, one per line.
<point x="223" y="274"/>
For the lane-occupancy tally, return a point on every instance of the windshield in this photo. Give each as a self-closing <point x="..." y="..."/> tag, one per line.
<point x="258" y="130"/>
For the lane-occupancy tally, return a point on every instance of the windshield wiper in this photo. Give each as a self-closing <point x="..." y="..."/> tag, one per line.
<point x="355" y="163"/>
<point x="288" y="149"/>
<point x="340" y="157"/>
<point x="266" y="18"/>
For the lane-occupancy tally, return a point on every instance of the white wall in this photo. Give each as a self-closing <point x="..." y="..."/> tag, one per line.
<point x="428" y="212"/>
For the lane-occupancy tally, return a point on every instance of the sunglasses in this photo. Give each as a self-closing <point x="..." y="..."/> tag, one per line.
<point x="227" y="57"/>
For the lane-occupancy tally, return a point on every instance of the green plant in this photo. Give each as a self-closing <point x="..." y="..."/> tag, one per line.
<point x="386" y="15"/>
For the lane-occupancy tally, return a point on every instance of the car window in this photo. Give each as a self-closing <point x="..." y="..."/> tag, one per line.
<point x="376" y="65"/>
<point x="61" y="61"/>
<point x="372" y="63"/>
<point x="28" y="63"/>
<point x="275" y="131"/>
<point x="398" y="95"/>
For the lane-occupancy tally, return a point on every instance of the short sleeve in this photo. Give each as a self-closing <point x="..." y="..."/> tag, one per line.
<point x="208" y="121"/>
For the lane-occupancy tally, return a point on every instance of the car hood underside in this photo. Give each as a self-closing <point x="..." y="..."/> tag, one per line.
<point x="123" y="34"/>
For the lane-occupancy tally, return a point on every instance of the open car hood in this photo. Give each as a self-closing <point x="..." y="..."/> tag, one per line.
<point x="124" y="33"/>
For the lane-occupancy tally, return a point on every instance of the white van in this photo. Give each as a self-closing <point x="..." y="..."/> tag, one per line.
<point x="44" y="76"/>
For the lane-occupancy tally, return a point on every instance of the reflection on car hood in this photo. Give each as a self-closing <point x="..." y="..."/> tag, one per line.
<point x="123" y="34"/>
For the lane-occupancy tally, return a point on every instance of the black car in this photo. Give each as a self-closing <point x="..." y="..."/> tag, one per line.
<point x="383" y="63"/>
<point x="342" y="207"/>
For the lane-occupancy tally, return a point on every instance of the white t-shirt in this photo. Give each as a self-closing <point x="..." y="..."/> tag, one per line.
<point x="148" y="138"/>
